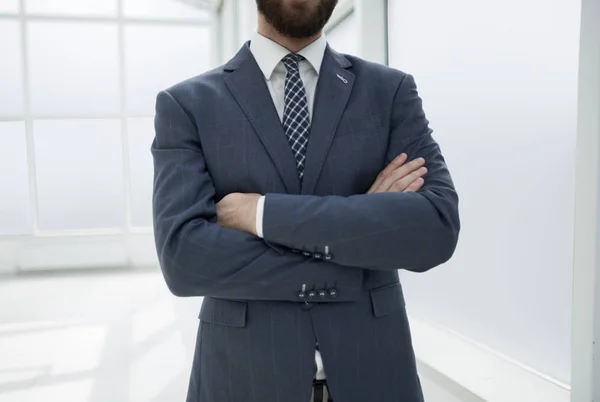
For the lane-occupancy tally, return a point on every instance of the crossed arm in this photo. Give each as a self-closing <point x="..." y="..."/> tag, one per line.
<point x="391" y="229"/>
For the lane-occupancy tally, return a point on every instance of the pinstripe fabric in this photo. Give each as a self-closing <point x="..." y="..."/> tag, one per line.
<point x="219" y="133"/>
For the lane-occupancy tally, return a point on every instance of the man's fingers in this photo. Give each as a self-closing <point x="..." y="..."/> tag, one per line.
<point x="393" y="166"/>
<point x="389" y="169"/>
<point x="415" y="186"/>
<point x="401" y="173"/>
<point x="412" y="166"/>
<point x="396" y="163"/>
<point x="403" y="183"/>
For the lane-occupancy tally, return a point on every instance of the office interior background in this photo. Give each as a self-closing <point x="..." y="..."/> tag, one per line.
<point x="512" y="90"/>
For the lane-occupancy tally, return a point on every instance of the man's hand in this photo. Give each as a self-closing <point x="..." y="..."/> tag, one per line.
<point x="238" y="211"/>
<point x="399" y="176"/>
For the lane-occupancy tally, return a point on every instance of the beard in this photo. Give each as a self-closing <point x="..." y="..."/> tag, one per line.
<point x="297" y="19"/>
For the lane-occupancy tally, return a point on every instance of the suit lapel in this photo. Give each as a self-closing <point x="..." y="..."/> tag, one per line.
<point x="247" y="85"/>
<point x="333" y="91"/>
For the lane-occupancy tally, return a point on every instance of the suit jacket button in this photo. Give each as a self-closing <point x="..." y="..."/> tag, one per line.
<point x="312" y="294"/>
<point x="307" y="254"/>
<point x="333" y="293"/>
<point x="322" y="293"/>
<point x="318" y="256"/>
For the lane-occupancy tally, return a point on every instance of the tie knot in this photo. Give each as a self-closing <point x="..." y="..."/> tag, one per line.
<point x="291" y="61"/>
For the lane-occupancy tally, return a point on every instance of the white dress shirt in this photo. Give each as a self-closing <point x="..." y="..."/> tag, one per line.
<point x="268" y="55"/>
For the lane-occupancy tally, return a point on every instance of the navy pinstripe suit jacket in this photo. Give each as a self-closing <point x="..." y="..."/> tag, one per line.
<point x="219" y="133"/>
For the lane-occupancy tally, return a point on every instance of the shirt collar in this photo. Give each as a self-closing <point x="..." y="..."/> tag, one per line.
<point x="269" y="53"/>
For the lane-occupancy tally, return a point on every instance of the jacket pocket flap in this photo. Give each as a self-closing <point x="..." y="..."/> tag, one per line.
<point x="231" y="313"/>
<point x="387" y="299"/>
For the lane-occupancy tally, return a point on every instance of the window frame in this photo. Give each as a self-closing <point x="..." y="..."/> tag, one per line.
<point x="120" y="20"/>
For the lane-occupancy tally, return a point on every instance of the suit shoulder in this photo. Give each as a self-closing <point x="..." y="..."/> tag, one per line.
<point x="207" y="81"/>
<point x="365" y="67"/>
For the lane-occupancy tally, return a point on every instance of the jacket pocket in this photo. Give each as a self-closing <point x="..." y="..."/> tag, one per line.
<point x="387" y="299"/>
<point x="231" y="313"/>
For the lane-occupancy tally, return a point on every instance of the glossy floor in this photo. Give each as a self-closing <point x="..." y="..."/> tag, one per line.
<point x="100" y="337"/>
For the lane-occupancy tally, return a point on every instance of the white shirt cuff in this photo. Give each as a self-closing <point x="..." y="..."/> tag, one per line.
<point x="260" y="209"/>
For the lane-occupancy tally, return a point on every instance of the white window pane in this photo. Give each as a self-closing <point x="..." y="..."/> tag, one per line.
<point x="73" y="7"/>
<point x="172" y="9"/>
<point x="11" y="83"/>
<point x="157" y="57"/>
<point x="9" y="6"/>
<point x="74" y="68"/>
<point x="79" y="174"/>
<point x="343" y="37"/>
<point x="14" y="180"/>
<point x="141" y="134"/>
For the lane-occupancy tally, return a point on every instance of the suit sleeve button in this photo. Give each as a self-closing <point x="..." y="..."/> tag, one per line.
<point x="333" y="293"/>
<point x="328" y="257"/>
<point x="318" y="256"/>
<point x="307" y="254"/>
<point x="312" y="294"/>
<point x="322" y="293"/>
<point x="295" y="250"/>
<point x="301" y="295"/>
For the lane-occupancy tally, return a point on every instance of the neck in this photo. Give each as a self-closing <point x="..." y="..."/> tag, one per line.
<point x="294" y="45"/>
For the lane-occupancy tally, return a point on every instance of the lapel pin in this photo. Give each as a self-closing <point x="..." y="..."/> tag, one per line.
<point x="345" y="81"/>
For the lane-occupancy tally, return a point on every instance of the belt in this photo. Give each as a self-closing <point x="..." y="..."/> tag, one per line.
<point x="318" y="391"/>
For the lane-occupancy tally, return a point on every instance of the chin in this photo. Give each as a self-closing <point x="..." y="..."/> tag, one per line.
<point x="302" y="4"/>
<point x="298" y="19"/>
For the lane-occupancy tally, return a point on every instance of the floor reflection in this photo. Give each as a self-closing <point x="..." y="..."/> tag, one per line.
<point x="100" y="337"/>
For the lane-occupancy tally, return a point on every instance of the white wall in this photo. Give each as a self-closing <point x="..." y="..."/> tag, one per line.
<point x="499" y="83"/>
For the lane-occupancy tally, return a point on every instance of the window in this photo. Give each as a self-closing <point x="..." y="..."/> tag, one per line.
<point x="9" y="6"/>
<point x="14" y="179"/>
<point x="79" y="172"/>
<point x="156" y="58"/>
<point x="72" y="7"/>
<point x="141" y="133"/>
<point x="343" y="36"/>
<point x="74" y="68"/>
<point x="160" y="9"/>
<point x="11" y="77"/>
<point x="78" y="82"/>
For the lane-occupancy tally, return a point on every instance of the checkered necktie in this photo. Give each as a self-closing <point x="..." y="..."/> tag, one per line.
<point x="296" y="121"/>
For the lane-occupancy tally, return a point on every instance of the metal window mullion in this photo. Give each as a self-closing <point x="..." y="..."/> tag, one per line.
<point x="64" y="233"/>
<point x="29" y="138"/>
<point x="216" y="38"/>
<point x="74" y="116"/>
<point x="370" y="19"/>
<point x="124" y="127"/>
<point x="585" y="344"/>
<point x="235" y="26"/>
<point x="386" y="30"/>
<point x="344" y="9"/>
<point x="105" y="19"/>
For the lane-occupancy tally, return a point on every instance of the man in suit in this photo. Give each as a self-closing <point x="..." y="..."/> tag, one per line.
<point x="291" y="184"/>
